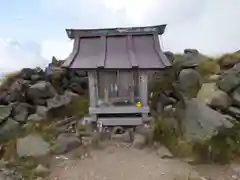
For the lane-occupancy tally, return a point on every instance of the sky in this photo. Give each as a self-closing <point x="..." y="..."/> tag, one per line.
<point x="33" y="31"/>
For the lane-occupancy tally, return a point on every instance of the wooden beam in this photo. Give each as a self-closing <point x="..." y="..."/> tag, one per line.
<point x="102" y="58"/>
<point x="131" y="54"/>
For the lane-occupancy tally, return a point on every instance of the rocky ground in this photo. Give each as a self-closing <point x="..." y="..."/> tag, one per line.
<point x="119" y="161"/>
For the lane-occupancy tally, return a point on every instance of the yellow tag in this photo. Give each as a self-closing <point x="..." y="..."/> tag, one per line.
<point x="139" y="104"/>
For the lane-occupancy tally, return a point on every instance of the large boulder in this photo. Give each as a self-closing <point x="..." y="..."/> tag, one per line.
<point x="42" y="111"/>
<point x="32" y="74"/>
<point x="59" y="101"/>
<point x="229" y="60"/>
<point x="211" y="95"/>
<point x="78" y="84"/>
<point x="65" y="143"/>
<point x="162" y="101"/>
<point x="5" y="112"/>
<point x="236" y="96"/>
<point x="188" y="79"/>
<point x="21" y="111"/>
<point x="139" y="141"/>
<point x="32" y="145"/>
<point x="26" y="73"/>
<point x="230" y="79"/>
<point x="198" y="121"/>
<point x="35" y="118"/>
<point x="9" y="129"/>
<point x="41" y="90"/>
<point x="17" y="90"/>
<point x="190" y="59"/>
<point x="4" y="98"/>
<point x="234" y="111"/>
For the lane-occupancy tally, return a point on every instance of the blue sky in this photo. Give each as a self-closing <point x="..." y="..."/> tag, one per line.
<point x="32" y="31"/>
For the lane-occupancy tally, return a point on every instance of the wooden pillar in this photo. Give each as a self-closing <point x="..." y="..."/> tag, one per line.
<point x="93" y="97"/>
<point x="132" y="85"/>
<point x="92" y="80"/>
<point x="143" y="88"/>
<point x="143" y="91"/>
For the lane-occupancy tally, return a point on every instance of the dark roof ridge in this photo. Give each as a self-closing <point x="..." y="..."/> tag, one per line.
<point x="76" y="33"/>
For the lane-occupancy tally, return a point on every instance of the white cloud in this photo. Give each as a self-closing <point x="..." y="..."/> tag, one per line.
<point x="16" y="55"/>
<point x="209" y="26"/>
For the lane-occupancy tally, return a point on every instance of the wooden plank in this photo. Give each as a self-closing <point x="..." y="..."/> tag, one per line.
<point x="119" y="109"/>
<point x="128" y="121"/>
<point x="130" y="49"/>
<point x="102" y="58"/>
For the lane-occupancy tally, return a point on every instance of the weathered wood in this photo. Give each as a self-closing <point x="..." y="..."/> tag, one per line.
<point x="67" y="121"/>
<point x="73" y="33"/>
<point x="92" y="80"/>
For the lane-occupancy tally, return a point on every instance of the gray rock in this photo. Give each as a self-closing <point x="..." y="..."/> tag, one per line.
<point x="5" y="112"/>
<point x="35" y="77"/>
<point x="163" y="152"/>
<point x="143" y="130"/>
<point x="70" y="94"/>
<point x="26" y="73"/>
<point x="230" y="79"/>
<point x="40" y="102"/>
<point x="41" y="90"/>
<point x="17" y="91"/>
<point x="234" y="111"/>
<point x="169" y="109"/>
<point x="214" y="78"/>
<point x="58" y="101"/>
<point x="230" y="118"/>
<point x="139" y="141"/>
<point x="41" y="171"/>
<point x="4" y="98"/>
<point x="42" y="111"/>
<point x="211" y="95"/>
<point x="190" y="59"/>
<point x="32" y="145"/>
<point x="236" y="96"/>
<point x="65" y="143"/>
<point x="163" y="101"/>
<point x="198" y="121"/>
<point x="20" y="112"/>
<point x="76" y="87"/>
<point x="123" y="137"/>
<point x="9" y="129"/>
<point x="191" y="51"/>
<point x="189" y="78"/>
<point x="35" y="118"/>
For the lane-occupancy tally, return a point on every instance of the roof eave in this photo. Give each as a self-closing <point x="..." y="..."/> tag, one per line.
<point x="73" y="33"/>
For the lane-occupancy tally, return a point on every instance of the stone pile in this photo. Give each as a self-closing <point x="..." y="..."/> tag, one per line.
<point x="201" y="104"/>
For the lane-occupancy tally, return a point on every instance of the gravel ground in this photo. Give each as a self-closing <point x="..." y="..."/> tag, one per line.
<point x="116" y="162"/>
<point x="121" y="163"/>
